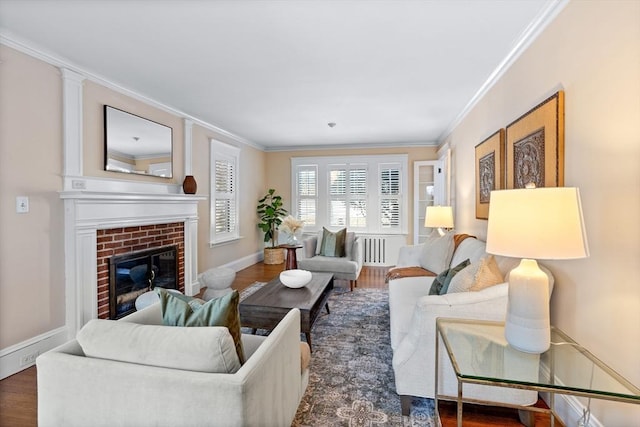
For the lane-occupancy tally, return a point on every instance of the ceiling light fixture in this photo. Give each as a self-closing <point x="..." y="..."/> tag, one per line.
<point x="331" y="124"/>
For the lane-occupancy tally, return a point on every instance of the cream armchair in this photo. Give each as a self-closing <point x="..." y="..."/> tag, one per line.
<point x="343" y="268"/>
<point x="75" y="390"/>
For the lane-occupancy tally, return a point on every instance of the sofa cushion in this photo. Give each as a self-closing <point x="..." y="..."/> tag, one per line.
<point x="329" y="264"/>
<point x="333" y="244"/>
<point x="194" y="349"/>
<point x="181" y="310"/>
<point x="436" y="253"/>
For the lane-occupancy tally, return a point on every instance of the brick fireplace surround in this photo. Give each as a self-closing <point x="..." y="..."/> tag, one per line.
<point x="123" y="240"/>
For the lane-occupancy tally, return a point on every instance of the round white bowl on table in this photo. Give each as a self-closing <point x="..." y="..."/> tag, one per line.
<point x="295" y="278"/>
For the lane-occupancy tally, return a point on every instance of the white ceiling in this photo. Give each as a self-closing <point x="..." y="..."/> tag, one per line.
<point x="274" y="73"/>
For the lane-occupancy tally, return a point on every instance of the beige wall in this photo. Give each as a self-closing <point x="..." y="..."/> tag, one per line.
<point x="592" y="52"/>
<point x="279" y="168"/>
<point x="94" y="98"/>
<point x="252" y="185"/>
<point x="31" y="245"/>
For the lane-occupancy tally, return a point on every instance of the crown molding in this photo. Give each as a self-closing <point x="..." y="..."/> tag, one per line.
<point x="29" y="48"/>
<point x="351" y="146"/>
<point x="528" y="36"/>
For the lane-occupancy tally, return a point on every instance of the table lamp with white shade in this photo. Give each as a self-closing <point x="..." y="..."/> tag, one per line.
<point x="534" y="223"/>
<point x="439" y="217"/>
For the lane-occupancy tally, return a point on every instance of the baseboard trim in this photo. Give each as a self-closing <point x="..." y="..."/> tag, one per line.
<point x="245" y="262"/>
<point x="568" y="408"/>
<point x="11" y="358"/>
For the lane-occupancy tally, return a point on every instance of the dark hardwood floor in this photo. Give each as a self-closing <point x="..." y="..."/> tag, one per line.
<point x="18" y="393"/>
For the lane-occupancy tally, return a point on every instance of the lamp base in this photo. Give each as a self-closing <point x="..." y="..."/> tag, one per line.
<point x="527" y="326"/>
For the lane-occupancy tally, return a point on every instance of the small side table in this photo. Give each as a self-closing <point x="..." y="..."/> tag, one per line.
<point x="292" y="260"/>
<point x="469" y="344"/>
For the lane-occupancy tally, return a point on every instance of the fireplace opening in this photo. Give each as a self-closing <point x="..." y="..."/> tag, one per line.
<point x="133" y="274"/>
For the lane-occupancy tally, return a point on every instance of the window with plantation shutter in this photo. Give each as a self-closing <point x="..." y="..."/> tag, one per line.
<point x="389" y="200"/>
<point x="306" y="194"/>
<point x="224" y="194"/>
<point x="362" y="193"/>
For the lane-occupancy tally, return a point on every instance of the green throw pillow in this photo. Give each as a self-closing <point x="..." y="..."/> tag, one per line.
<point x="181" y="310"/>
<point x="333" y="243"/>
<point x="441" y="282"/>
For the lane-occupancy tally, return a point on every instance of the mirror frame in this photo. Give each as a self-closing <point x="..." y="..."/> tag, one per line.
<point x="119" y="126"/>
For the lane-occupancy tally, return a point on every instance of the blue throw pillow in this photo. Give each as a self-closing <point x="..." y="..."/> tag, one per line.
<point x="333" y="243"/>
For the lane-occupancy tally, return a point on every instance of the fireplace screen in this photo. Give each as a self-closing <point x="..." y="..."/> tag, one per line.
<point x="133" y="274"/>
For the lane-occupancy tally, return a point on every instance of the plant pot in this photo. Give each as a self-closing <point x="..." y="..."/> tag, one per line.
<point x="273" y="255"/>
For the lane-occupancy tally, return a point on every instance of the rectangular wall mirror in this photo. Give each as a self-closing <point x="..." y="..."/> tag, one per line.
<point x="136" y="145"/>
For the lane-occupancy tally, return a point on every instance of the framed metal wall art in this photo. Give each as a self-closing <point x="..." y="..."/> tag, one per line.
<point x="535" y="146"/>
<point x="489" y="171"/>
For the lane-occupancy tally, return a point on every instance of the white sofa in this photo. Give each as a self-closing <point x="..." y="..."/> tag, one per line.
<point x="413" y="314"/>
<point x="75" y="390"/>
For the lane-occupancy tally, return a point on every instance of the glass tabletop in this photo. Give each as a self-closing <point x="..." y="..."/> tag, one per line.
<point x="480" y="353"/>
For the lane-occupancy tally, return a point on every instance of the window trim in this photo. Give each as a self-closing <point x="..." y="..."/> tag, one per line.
<point x="325" y="163"/>
<point x="223" y="151"/>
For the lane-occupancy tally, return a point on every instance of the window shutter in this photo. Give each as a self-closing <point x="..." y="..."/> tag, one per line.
<point x="224" y="192"/>
<point x="389" y="196"/>
<point x="307" y="194"/>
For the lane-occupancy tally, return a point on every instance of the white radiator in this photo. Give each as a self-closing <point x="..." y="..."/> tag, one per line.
<point x="382" y="250"/>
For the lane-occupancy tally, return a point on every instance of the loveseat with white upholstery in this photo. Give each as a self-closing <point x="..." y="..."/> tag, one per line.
<point x="413" y="314"/>
<point x="181" y="387"/>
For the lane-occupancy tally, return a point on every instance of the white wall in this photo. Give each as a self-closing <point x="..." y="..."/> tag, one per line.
<point x="592" y="52"/>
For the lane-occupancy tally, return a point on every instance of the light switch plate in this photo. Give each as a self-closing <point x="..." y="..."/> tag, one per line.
<point x="22" y="204"/>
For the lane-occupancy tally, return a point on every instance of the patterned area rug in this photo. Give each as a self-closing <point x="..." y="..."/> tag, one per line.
<point x="351" y="381"/>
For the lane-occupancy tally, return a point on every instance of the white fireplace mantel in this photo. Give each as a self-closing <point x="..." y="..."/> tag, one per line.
<point x="89" y="211"/>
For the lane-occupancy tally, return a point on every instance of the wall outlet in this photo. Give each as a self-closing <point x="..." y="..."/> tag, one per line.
<point x="29" y="359"/>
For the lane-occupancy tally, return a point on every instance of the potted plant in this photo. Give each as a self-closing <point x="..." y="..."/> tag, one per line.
<point x="270" y="211"/>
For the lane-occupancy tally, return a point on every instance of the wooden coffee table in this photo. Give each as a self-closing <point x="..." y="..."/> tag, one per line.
<point x="268" y="305"/>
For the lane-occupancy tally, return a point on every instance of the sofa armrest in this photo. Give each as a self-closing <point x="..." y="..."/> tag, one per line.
<point x="414" y="357"/>
<point x="357" y="251"/>
<point x="309" y="246"/>
<point x="409" y="256"/>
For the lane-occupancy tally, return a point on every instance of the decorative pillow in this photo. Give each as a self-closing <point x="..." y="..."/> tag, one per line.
<point x="194" y="349"/>
<point x="181" y="310"/>
<point x="465" y="279"/>
<point x="441" y="282"/>
<point x="488" y="274"/>
<point x="333" y="243"/>
<point x="436" y="253"/>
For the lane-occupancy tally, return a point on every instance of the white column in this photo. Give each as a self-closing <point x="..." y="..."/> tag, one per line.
<point x="191" y="284"/>
<point x="72" y="123"/>
<point x="188" y="146"/>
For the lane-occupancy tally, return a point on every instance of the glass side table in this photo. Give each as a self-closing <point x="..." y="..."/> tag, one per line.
<point x="479" y="354"/>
